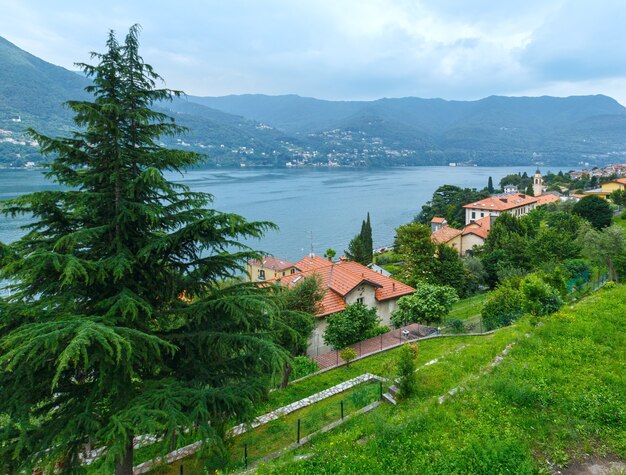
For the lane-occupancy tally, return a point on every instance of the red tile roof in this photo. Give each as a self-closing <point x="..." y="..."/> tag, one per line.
<point x="437" y="219"/>
<point x="273" y="263"/>
<point x="340" y="278"/>
<point x="315" y="262"/>
<point x="480" y="227"/>
<point x="502" y="203"/>
<point x="545" y="199"/>
<point x="445" y="234"/>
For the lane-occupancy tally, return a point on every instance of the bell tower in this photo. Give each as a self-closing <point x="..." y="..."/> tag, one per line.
<point x="537" y="183"/>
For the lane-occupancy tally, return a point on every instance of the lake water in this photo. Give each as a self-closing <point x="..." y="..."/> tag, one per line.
<point x="330" y="204"/>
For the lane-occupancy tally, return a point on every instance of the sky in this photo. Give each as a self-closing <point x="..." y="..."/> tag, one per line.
<point x="346" y="49"/>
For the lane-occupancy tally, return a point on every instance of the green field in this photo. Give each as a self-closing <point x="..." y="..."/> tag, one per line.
<point x="558" y="396"/>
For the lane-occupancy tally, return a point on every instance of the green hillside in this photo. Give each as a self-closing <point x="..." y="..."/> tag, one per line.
<point x="255" y="129"/>
<point x="556" y="397"/>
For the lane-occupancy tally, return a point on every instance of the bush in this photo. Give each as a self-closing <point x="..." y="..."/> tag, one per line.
<point x="456" y="326"/>
<point x="406" y="371"/>
<point x="347" y="354"/>
<point x="350" y="326"/>
<point x="539" y="297"/>
<point x="379" y="330"/>
<point x="503" y="307"/>
<point x="303" y="366"/>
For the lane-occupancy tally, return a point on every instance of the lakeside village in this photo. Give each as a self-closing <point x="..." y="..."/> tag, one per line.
<point x="347" y="282"/>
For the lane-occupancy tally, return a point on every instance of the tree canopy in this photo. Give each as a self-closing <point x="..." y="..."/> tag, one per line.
<point x="361" y="247"/>
<point x="595" y="210"/>
<point x="118" y="321"/>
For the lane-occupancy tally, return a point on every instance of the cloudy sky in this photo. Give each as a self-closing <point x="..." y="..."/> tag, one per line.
<point x="347" y="49"/>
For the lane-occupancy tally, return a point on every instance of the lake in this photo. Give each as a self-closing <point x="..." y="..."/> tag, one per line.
<point x="327" y="204"/>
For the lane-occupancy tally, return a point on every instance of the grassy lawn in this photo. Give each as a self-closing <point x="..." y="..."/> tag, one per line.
<point x="381" y="364"/>
<point x="467" y="308"/>
<point x="558" y="395"/>
<point x="459" y="356"/>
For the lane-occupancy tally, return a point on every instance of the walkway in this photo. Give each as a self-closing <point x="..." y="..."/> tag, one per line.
<point x="376" y="344"/>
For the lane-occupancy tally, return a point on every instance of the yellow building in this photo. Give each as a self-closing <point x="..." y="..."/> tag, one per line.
<point x="608" y="187"/>
<point x="269" y="268"/>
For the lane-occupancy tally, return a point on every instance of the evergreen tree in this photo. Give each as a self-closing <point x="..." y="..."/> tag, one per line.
<point x="490" y="187"/>
<point x="366" y="237"/>
<point x="118" y="321"/>
<point x="361" y="247"/>
<point x="595" y="210"/>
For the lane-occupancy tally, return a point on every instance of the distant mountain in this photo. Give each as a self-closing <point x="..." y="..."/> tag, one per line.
<point x="494" y="130"/>
<point x="260" y="130"/>
<point x="32" y="94"/>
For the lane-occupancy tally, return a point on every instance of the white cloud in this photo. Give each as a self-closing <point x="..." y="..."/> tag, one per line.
<point x="346" y="49"/>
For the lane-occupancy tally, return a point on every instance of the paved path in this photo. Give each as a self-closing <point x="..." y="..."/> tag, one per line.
<point x="376" y="344"/>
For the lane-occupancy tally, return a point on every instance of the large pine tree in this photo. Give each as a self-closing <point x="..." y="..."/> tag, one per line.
<point x="119" y="321"/>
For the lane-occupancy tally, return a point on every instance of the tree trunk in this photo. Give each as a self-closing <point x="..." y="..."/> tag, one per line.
<point x="173" y="441"/>
<point x="125" y="465"/>
<point x="286" y="373"/>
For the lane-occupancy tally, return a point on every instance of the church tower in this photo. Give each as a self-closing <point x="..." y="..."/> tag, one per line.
<point x="537" y="183"/>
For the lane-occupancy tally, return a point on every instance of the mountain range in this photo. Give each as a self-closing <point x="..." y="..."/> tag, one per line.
<point x="289" y="130"/>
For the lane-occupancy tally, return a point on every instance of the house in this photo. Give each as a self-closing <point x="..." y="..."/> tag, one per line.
<point x="517" y="204"/>
<point x="346" y="283"/>
<point x="607" y="188"/>
<point x="269" y="268"/>
<point x="464" y="240"/>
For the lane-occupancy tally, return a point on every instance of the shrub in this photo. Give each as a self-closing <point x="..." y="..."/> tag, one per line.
<point x="347" y="354"/>
<point x="456" y="326"/>
<point x="302" y="366"/>
<point x="539" y="297"/>
<point x="406" y="372"/>
<point x="350" y="326"/>
<point x="503" y="307"/>
<point x="378" y="330"/>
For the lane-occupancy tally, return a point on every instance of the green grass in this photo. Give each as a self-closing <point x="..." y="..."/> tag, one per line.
<point x="278" y="434"/>
<point x="558" y="395"/>
<point x="381" y="364"/>
<point x="467" y="308"/>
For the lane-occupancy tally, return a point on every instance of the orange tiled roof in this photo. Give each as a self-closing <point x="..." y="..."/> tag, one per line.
<point x="340" y="278"/>
<point x="502" y="203"/>
<point x="445" y="234"/>
<point x="480" y="227"/>
<point x="315" y="262"/>
<point x="438" y="220"/>
<point x="273" y="263"/>
<point x="389" y="288"/>
<point x="545" y="199"/>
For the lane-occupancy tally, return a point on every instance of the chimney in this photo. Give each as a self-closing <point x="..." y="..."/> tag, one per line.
<point x="492" y="219"/>
<point x="504" y="200"/>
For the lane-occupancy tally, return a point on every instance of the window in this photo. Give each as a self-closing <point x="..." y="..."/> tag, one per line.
<point x="293" y="271"/>
<point x="360" y="300"/>
<point x="473" y="214"/>
<point x="261" y="274"/>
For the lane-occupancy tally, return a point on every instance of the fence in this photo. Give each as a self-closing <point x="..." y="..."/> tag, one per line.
<point x="257" y="444"/>
<point x="376" y="344"/>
